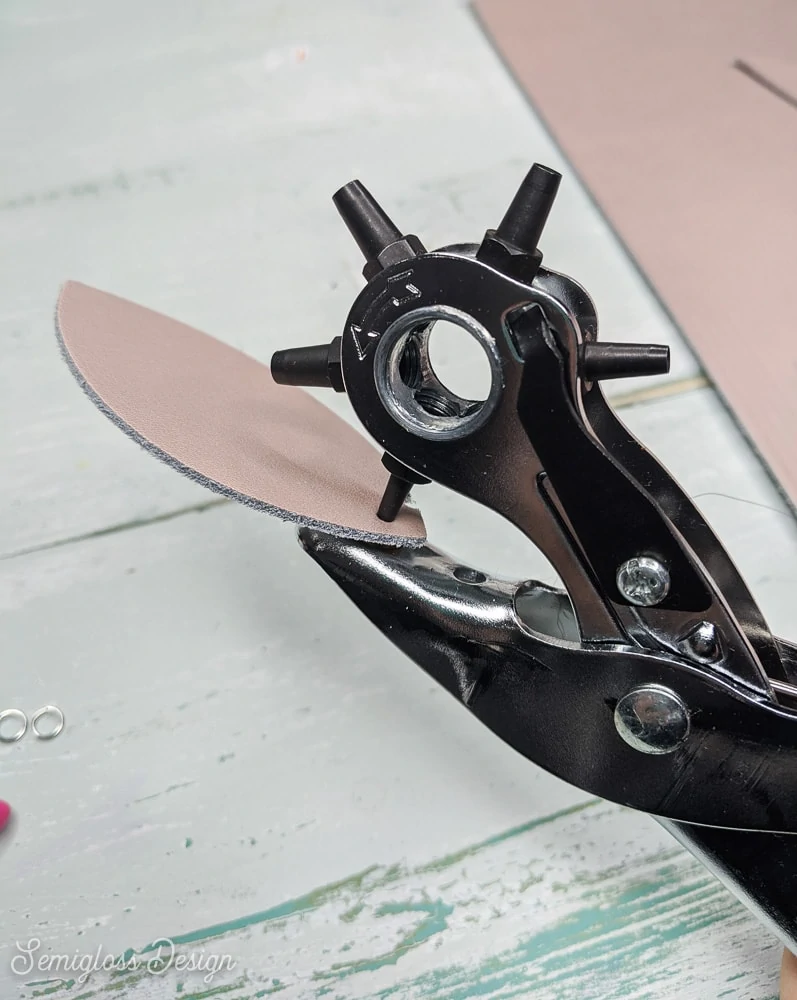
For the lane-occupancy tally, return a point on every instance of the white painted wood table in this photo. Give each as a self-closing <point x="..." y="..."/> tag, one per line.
<point x="248" y="768"/>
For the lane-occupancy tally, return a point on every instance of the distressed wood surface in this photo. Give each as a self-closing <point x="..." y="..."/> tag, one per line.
<point x="248" y="768"/>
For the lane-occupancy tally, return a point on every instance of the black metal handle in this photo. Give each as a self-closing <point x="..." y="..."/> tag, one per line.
<point x="760" y="869"/>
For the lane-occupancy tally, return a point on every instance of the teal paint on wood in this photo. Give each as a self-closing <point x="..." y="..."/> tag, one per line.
<point x="613" y="927"/>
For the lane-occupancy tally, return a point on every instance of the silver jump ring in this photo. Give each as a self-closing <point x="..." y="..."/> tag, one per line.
<point x="14" y="713"/>
<point x="48" y="710"/>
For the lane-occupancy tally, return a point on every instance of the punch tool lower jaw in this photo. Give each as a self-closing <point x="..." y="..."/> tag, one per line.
<point x="652" y="679"/>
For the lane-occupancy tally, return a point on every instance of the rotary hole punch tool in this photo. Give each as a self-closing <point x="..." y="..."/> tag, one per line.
<point x="652" y="680"/>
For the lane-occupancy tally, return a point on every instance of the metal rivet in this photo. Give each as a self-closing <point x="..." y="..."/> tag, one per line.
<point x="652" y="719"/>
<point x="643" y="581"/>
<point x="703" y="643"/>
<point x="22" y="719"/>
<point x="467" y="575"/>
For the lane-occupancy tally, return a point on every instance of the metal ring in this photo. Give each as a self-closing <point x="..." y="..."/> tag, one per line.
<point x="48" y="710"/>
<point x="399" y="400"/>
<point x="14" y="713"/>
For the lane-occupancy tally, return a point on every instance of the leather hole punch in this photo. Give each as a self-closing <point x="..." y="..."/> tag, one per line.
<point x="652" y="679"/>
<point x="654" y="666"/>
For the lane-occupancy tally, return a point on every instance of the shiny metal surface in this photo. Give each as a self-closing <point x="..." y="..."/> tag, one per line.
<point x="501" y="463"/>
<point x="788" y="691"/>
<point x="760" y="869"/>
<point x="643" y="581"/>
<point x="531" y="679"/>
<point x="733" y="602"/>
<point x="42" y="713"/>
<point x="705" y="643"/>
<point x="445" y="416"/>
<point x="508" y="481"/>
<point x="652" y="719"/>
<point x="448" y="618"/>
<point x="17" y="734"/>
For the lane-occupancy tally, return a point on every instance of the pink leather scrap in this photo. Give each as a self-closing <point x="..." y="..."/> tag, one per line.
<point x="217" y="416"/>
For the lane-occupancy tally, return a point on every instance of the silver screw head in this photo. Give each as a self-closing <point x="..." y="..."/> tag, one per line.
<point x="652" y="719"/>
<point x="643" y="581"/>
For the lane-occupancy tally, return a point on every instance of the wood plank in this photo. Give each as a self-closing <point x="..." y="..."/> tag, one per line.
<point x="549" y="909"/>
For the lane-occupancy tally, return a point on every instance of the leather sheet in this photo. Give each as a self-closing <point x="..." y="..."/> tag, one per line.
<point x="681" y="119"/>
<point x="217" y="415"/>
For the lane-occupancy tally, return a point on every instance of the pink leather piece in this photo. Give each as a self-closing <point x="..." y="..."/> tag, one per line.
<point x="694" y="162"/>
<point x="217" y="415"/>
